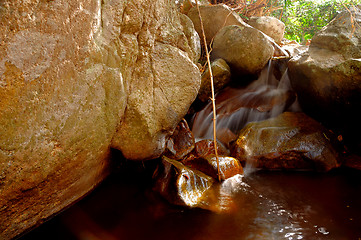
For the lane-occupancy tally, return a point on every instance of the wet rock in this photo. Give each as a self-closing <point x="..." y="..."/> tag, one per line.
<point x="236" y="107"/>
<point x="75" y="78"/>
<point x="181" y="142"/>
<point x="181" y="185"/>
<point x="289" y="141"/>
<point x="270" y="26"/>
<point x="184" y="186"/>
<point x="221" y="77"/>
<point x="214" y="17"/>
<point x="327" y="77"/>
<point x="226" y="136"/>
<point x="244" y="48"/>
<point x="352" y="161"/>
<point x="228" y="166"/>
<point x="205" y="147"/>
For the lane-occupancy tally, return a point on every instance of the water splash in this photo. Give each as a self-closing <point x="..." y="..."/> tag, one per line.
<point x="264" y="98"/>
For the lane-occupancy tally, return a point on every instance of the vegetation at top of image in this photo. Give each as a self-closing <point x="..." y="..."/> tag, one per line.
<point x="302" y="18"/>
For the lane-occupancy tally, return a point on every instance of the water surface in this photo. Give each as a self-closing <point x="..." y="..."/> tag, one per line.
<point x="278" y="205"/>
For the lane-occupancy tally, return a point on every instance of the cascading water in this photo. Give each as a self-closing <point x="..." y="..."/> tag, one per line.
<point x="264" y="98"/>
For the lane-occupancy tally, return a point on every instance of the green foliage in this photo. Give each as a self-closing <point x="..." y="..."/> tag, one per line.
<point x="304" y="18"/>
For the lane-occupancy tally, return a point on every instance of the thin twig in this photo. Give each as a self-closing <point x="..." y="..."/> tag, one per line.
<point x="212" y="90"/>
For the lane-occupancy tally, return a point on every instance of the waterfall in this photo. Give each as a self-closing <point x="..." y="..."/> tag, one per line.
<point x="264" y="98"/>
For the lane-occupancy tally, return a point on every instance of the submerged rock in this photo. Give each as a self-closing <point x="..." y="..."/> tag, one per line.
<point x="289" y="141"/>
<point x="181" y="142"/>
<point x="327" y="77"/>
<point x="244" y="48"/>
<point x="270" y="26"/>
<point x="221" y="77"/>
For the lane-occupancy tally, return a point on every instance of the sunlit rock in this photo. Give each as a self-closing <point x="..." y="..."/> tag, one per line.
<point x="185" y="5"/>
<point x="270" y="26"/>
<point x="221" y="77"/>
<point x="293" y="48"/>
<point x="228" y="166"/>
<point x="181" y="185"/>
<point x="181" y="142"/>
<point x="75" y="78"/>
<point x="191" y="44"/>
<point x="244" y="48"/>
<point x="162" y="79"/>
<point x="214" y="17"/>
<point x="289" y="141"/>
<point x="327" y="77"/>
<point x="185" y="186"/>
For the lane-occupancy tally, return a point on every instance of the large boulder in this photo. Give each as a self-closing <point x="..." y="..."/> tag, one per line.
<point x="270" y="26"/>
<point x="289" y="141"/>
<point x="67" y="71"/>
<point x="214" y="17"/>
<point x="327" y="77"/>
<point x="163" y="82"/>
<point x="244" y="48"/>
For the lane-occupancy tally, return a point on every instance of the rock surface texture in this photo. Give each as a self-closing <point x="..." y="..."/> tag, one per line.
<point x="77" y="77"/>
<point x="270" y="26"/>
<point x="221" y="77"/>
<point x="289" y="141"/>
<point x="214" y="18"/>
<point x="327" y="77"/>
<point x="244" y="48"/>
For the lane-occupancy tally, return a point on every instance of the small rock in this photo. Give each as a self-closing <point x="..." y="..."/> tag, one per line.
<point x="225" y="136"/>
<point x="181" y="142"/>
<point x="181" y="185"/>
<point x="184" y="186"/>
<point x="221" y="77"/>
<point x="228" y="166"/>
<point x="205" y="147"/>
<point x="289" y="141"/>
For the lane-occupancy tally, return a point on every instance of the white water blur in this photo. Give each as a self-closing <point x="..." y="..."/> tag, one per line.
<point x="266" y="86"/>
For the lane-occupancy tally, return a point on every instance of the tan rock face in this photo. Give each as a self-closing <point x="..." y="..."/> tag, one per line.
<point x="67" y="71"/>
<point x="327" y="77"/>
<point x="244" y="48"/>
<point x="270" y="26"/>
<point x="157" y="100"/>
<point x="214" y="18"/>
<point x="289" y="141"/>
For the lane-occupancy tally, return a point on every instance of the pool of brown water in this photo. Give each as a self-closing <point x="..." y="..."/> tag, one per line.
<point x="277" y="205"/>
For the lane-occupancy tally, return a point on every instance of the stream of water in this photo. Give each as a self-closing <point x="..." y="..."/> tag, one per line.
<point x="278" y="205"/>
<point x="274" y="205"/>
<point x="264" y="98"/>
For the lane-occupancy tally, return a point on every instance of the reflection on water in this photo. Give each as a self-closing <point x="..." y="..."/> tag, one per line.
<point x="274" y="205"/>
